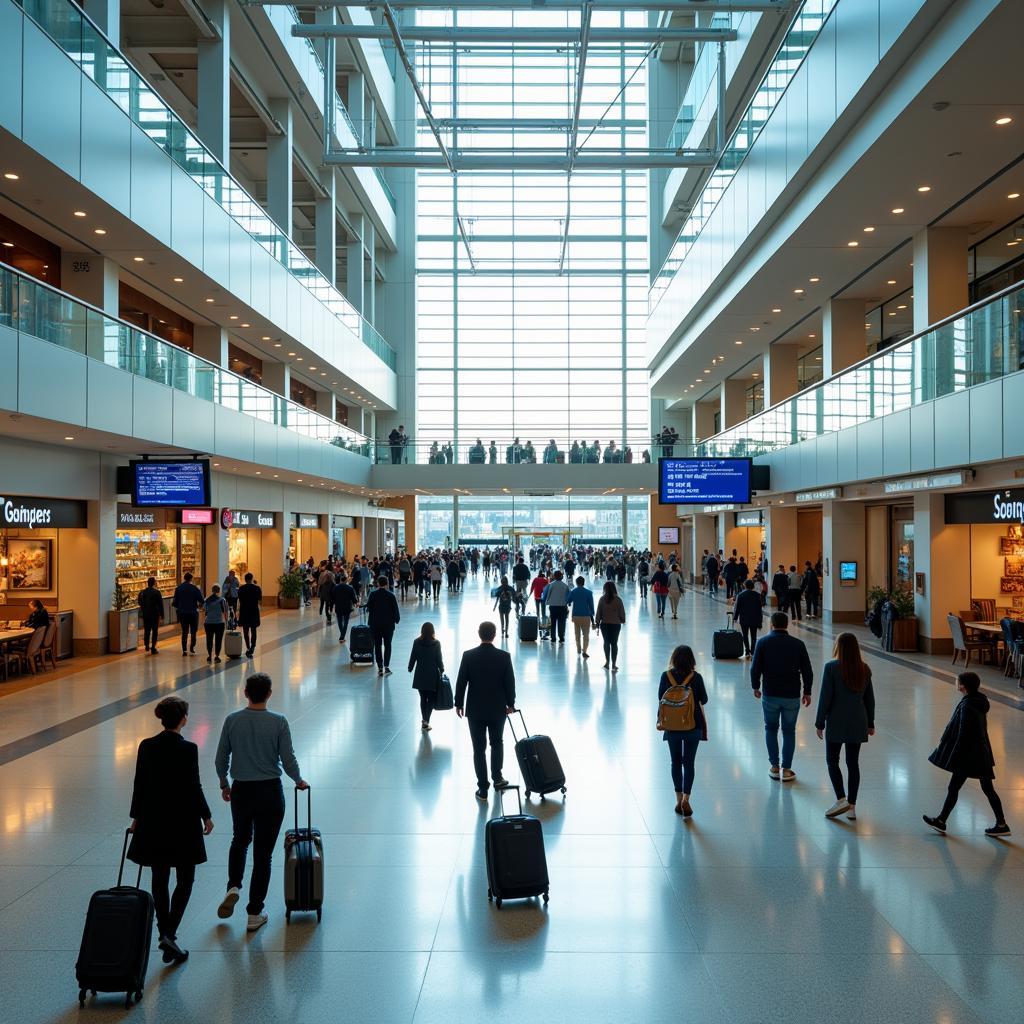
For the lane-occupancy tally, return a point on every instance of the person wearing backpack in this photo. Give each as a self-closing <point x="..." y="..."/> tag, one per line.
<point x="682" y="721"/>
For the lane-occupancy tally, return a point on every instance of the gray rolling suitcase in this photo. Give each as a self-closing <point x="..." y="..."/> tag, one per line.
<point x="303" y="865"/>
<point x="233" y="642"/>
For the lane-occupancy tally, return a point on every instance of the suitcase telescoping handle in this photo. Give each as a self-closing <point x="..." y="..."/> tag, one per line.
<point x="526" y="732"/>
<point x="309" y="808"/>
<point x="124" y="855"/>
<point x="501" y="801"/>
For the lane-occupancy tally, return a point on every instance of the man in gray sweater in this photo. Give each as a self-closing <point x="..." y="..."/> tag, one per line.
<point x="254" y="745"/>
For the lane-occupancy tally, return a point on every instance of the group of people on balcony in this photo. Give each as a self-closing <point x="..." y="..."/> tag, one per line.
<point x="518" y="453"/>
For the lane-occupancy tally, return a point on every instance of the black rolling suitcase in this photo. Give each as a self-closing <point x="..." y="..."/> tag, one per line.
<point x="115" y="944"/>
<point x="728" y="642"/>
<point x="528" y="627"/>
<point x="303" y="865"/>
<point x="538" y="762"/>
<point x="360" y="642"/>
<point x="516" y="865"/>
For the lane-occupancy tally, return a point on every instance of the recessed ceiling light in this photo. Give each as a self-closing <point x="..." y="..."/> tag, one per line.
<point x="245" y="325"/>
<point x="892" y="314"/>
<point x="291" y="353"/>
<point x="7" y="245"/>
<point x="817" y="359"/>
<point x="798" y="291"/>
<point x="901" y="307"/>
<point x="312" y="367"/>
<point x="755" y="375"/>
<point x="216" y="464"/>
<point x="138" y="259"/>
<point x="897" y="209"/>
<point x="1004" y="120"/>
<point x="266" y="337"/>
<point x="707" y="371"/>
<point x="323" y="373"/>
<point x="277" y="344"/>
<point x="11" y="176"/>
<point x="852" y="245"/>
<point x="1008" y="243"/>
<point x="755" y="329"/>
<point x="259" y="472"/>
<point x="869" y="229"/>
<point x="890" y="281"/>
<point x="80" y="213"/>
<point x="100" y="231"/>
<point x="275" y="476"/>
<point x="814" y="280"/>
<point x="810" y="335"/>
<point x="776" y="309"/>
<point x="924" y="188"/>
<point x="178" y="280"/>
<point x="68" y="437"/>
<point x="737" y="342"/>
<point x="1013" y="195"/>
<point x="208" y="300"/>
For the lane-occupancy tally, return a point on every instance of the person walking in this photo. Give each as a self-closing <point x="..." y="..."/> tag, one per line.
<point x="427" y="666"/>
<point x="748" y="614"/>
<point x="846" y="716"/>
<point x="504" y="596"/>
<point x="382" y="615"/>
<point x="537" y="588"/>
<point x="151" y="611"/>
<point x="187" y="601"/>
<point x="250" y="598"/>
<point x="675" y="589"/>
<point x="215" y="617"/>
<point x="485" y="694"/>
<point x="230" y="591"/>
<point x="344" y="599"/>
<point x="521" y="579"/>
<point x="966" y="753"/>
<point x="170" y="816"/>
<point x="581" y="601"/>
<point x="404" y="575"/>
<point x="324" y="590"/>
<point x="780" y="588"/>
<point x="659" y="584"/>
<point x="811" y="587"/>
<point x="610" y="618"/>
<point x="436" y="575"/>
<point x="682" y="721"/>
<point x="643" y="577"/>
<point x="796" y="586"/>
<point x="255" y="744"/>
<point x="781" y="664"/>
<point x="712" y="567"/>
<point x="396" y="442"/>
<point x="556" y="596"/>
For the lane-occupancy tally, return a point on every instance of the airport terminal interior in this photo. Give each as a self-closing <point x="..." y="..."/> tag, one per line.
<point x="679" y="342"/>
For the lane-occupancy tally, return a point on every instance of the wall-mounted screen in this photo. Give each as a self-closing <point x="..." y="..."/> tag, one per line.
<point x="668" y="534"/>
<point x="162" y="484"/>
<point x="703" y="481"/>
<point x="848" y="572"/>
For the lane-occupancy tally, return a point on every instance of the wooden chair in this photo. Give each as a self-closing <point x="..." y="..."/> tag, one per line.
<point x="969" y="615"/>
<point x="964" y="643"/>
<point x="984" y="609"/>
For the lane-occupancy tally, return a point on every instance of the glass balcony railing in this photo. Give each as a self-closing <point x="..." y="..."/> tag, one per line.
<point x="805" y="28"/>
<point x="83" y="42"/>
<point x="699" y="106"/>
<point x="35" y="309"/>
<point x="983" y="343"/>
<point x="619" y="450"/>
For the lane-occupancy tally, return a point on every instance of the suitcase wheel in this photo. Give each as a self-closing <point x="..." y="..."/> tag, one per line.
<point x="526" y="795"/>
<point x="497" y="903"/>
<point x="545" y="895"/>
<point x="81" y="997"/>
<point x="490" y="895"/>
<point x="563" y="791"/>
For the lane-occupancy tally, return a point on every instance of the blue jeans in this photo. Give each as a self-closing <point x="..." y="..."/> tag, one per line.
<point x="659" y="603"/>
<point x="683" y="750"/>
<point x="786" y="709"/>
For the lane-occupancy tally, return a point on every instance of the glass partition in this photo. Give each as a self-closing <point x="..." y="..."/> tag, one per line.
<point x="68" y="26"/>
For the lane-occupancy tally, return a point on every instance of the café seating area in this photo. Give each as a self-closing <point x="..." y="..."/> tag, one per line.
<point x="999" y="642"/>
<point x="24" y="650"/>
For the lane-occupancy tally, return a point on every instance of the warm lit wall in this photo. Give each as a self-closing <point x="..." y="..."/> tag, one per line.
<point x="664" y="515"/>
<point x="407" y="504"/>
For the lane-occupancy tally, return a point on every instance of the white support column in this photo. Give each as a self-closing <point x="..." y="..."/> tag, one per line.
<point x="107" y="15"/>
<point x="703" y="420"/>
<point x="842" y="540"/>
<point x="93" y="279"/>
<point x="214" y="84"/>
<point x="844" y="338"/>
<point x="354" y="271"/>
<point x="780" y="538"/>
<point x="942" y="554"/>
<point x="279" y="166"/>
<point x="277" y="377"/>
<point x="733" y="399"/>
<point x="370" y="287"/>
<point x="705" y="536"/>
<point x="326" y="228"/>
<point x="940" y="275"/>
<point x="211" y="343"/>
<point x="356" y="104"/>
<point x="325" y="404"/>
<point x="780" y="374"/>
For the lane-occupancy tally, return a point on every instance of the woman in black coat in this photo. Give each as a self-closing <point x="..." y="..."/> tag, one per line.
<point x="965" y="752"/>
<point x="846" y="716"/>
<point x="170" y="816"/>
<point x="427" y="665"/>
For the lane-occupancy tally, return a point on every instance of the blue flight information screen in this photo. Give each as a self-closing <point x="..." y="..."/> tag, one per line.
<point x="703" y="481"/>
<point x="170" y="484"/>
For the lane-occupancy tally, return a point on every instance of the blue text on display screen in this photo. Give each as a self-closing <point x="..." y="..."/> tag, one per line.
<point x="170" y="484"/>
<point x="700" y="481"/>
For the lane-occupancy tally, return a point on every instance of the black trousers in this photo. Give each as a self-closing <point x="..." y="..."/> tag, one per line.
<point x="214" y="638"/>
<point x="249" y="636"/>
<point x="171" y="909"/>
<point x="558" y="613"/>
<point x="150" y="628"/>
<point x="326" y="604"/>
<point x="480" y="729"/>
<point x="343" y="618"/>
<point x="794" y="604"/>
<point x="257" y="811"/>
<point x="813" y="604"/>
<point x="956" y="784"/>
<point x="427" y="699"/>
<point x="835" y="773"/>
<point x="610" y="634"/>
<point x="382" y="646"/>
<point x="436" y="586"/>
<point x="189" y="629"/>
<point x="749" y="638"/>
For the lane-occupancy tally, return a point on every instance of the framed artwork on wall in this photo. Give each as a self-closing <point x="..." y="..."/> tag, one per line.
<point x="30" y="564"/>
<point x="1012" y="585"/>
<point x="1011" y="546"/>
<point x="1014" y="565"/>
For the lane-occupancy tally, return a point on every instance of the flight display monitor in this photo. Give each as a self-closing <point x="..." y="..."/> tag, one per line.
<point x="703" y="481"/>
<point x="160" y="483"/>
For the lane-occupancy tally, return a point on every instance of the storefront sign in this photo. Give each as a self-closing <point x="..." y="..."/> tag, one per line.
<point x="979" y="507"/>
<point x="131" y="518"/>
<point x="42" y="513"/>
<point x="924" y="483"/>
<point x="197" y="517"/>
<point x="307" y="521"/>
<point x="247" y="519"/>
<point x="227" y="518"/>
<point x="753" y="518"/>
<point x="343" y="523"/>
<point x="822" y="494"/>
<point x="711" y="509"/>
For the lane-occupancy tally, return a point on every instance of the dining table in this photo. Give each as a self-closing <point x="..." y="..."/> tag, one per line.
<point x="7" y="638"/>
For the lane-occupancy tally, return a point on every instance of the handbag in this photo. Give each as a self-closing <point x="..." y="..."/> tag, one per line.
<point x="444" y="699"/>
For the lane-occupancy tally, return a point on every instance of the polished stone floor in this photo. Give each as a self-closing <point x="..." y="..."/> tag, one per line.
<point x="759" y="909"/>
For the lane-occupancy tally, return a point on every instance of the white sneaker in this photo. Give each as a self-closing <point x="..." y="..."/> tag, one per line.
<point x="837" y="808"/>
<point x="851" y="813"/>
<point x="255" y="922"/>
<point x="788" y="775"/>
<point x="227" y="905"/>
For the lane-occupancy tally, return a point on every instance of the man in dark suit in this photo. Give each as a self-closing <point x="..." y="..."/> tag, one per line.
<point x="382" y="615"/>
<point x="748" y="615"/>
<point x="485" y="693"/>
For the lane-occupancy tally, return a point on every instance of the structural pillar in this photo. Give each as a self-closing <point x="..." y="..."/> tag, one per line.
<point x="326" y="228"/>
<point x="842" y="540"/>
<point x="356" y="104"/>
<point x="93" y="279"/>
<point x="733" y="399"/>
<point x="703" y="420"/>
<point x="277" y="377"/>
<point x="942" y="555"/>
<point x="214" y="83"/>
<point x="844" y="339"/>
<point x="370" y="287"/>
<point x="107" y="15"/>
<point x="940" y="275"/>
<point x="354" y="271"/>
<point x="780" y="538"/>
<point x="211" y="343"/>
<point x="780" y="374"/>
<point x="279" y="166"/>
<point x="325" y="404"/>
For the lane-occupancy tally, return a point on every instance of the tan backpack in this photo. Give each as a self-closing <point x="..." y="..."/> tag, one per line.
<point x="677" y="709"/>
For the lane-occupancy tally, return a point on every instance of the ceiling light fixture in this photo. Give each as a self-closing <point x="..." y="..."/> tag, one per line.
<point x="277" y="344"/>
<point x="869" y="229"/>
<point x="776" y="309"/>
<point x="208" y="300"/>
<point x="798" y="291"/>
<point x="178" y="280"/>
<point x="901" y="307"/>
<point x="852" y="245"/>
<point x="266" y="337"/>
<point x="68" y="437"/>
<point x="80" y="213"/>
<point x="232" y="316"/>
<point x="11" y="176"/>
<point x="100" y="231"/>
<point x="737" y="342"/>
<point x="924" y="188"/>
<point x="897" y="209"/>
<point x="890" y="281"/>
<point x="1013" y="195"/>
<point x="1004" y="120"/>
<point x="138" y="259"/>
<point x="814" y="280"/>
<point x="245" y="325"/>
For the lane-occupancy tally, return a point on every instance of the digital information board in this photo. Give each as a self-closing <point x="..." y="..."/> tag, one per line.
<point x="668" y="534"/>
<point x="170" y="484"/>
<point x="703" y="481"/>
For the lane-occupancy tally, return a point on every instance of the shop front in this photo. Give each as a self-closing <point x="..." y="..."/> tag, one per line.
<point x="38" y="550"/>
<point x="246" y="535"/>
<point x="749" y="537"/>
<point x="336" y="540"/>
<point x="306" y="538"/>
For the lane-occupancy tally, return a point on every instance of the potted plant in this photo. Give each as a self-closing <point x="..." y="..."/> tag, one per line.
<point x="123" y="622"/>
<point x="904" y="629"/>
<point x="289" y="589"/>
